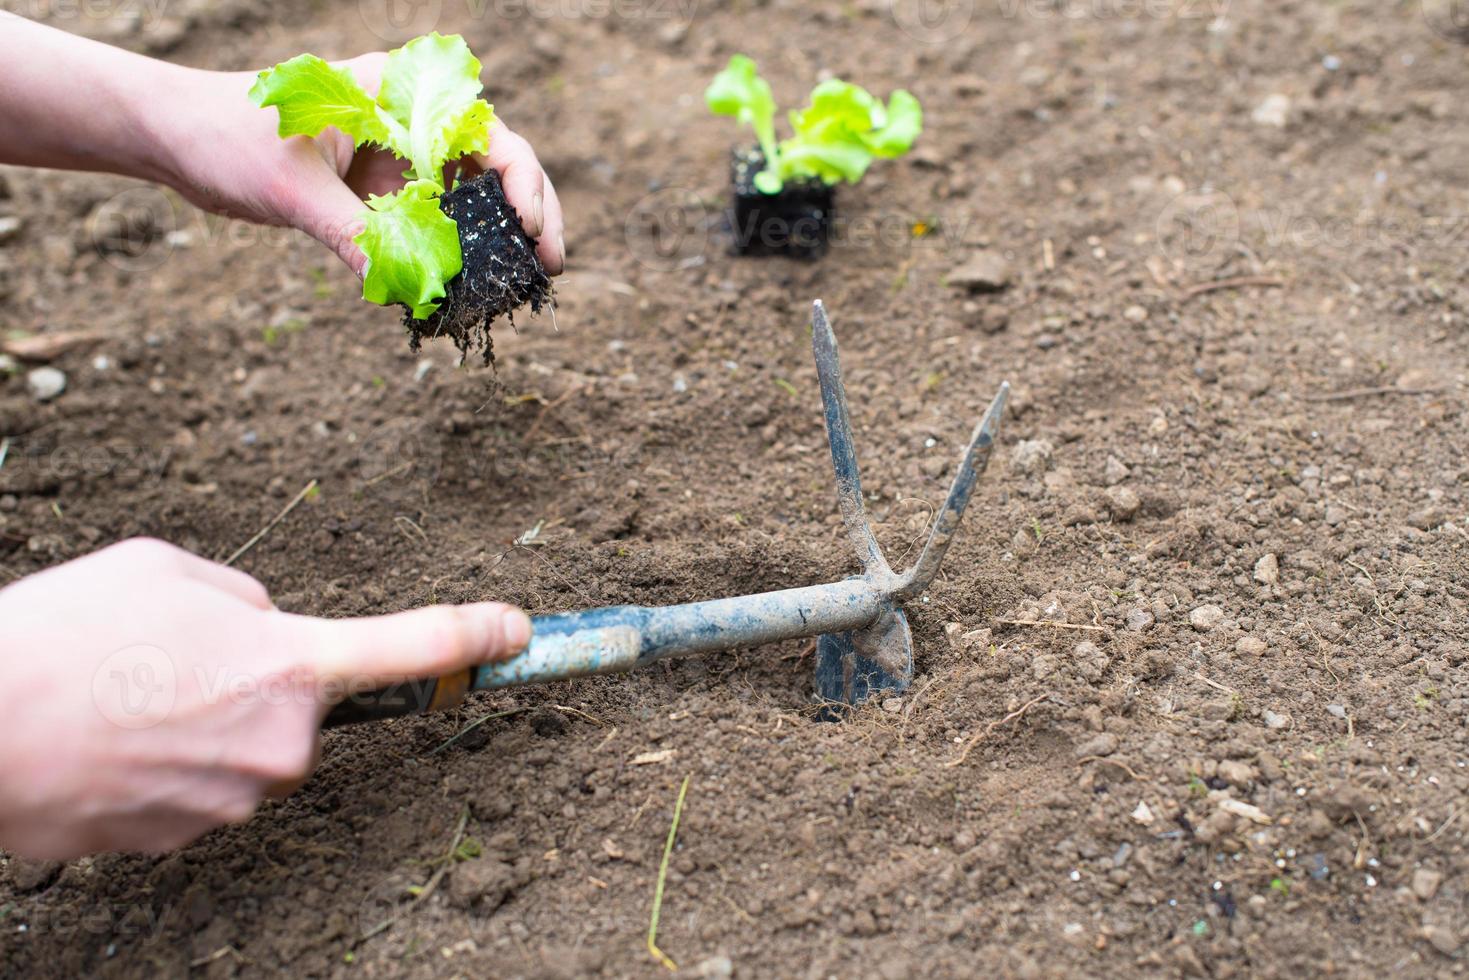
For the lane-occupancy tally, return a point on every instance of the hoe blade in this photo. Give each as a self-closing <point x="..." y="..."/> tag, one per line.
<point x="853" y="666"/>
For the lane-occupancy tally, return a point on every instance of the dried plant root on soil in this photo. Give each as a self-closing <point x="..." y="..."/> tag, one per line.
<point x="501" y="271"/>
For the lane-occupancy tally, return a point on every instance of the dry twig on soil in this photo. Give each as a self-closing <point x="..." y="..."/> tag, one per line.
<point x="49" y="346"/>
<point x="1054" y="624"/>
<point x="219" y="954"/>
<point x="1352" y="394"/>
<point x="472" y="726"/>
<point x="1199" y="289"/>
<point x="974" y="739"/>
<point x="1113" y="762"/>
<point x="445" y="864"/>
<point x="260" y="534"/>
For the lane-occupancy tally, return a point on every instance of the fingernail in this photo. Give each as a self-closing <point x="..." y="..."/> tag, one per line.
<point x="537" y="216"/>
<point x="516" y="625"/>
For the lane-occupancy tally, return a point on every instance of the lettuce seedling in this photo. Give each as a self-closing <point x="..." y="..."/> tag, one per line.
<point x="427" y="112"/>
<point x="835" y="138"/>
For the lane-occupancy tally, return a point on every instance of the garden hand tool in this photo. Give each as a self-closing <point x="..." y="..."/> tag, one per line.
<point x="863" y="643"/>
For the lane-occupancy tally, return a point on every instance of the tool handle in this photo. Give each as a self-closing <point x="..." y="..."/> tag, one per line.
<point x="618" y="638"/>
<point x="396" y="700"/>
<point x="596" y="641"/>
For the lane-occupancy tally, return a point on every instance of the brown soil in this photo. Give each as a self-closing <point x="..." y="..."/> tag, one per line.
<point x="1046" y="800"/>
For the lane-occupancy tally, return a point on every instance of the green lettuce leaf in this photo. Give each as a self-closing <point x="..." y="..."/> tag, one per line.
<point x="844" y="129"/>
<point x="740" y="92"/>
<point x="412" y="249"/>
<point x="430" y="97"/>
<point x="903" y="126"/>
<point x="311" y="95"/>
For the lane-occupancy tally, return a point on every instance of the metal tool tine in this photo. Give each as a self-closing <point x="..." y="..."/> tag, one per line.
<point x="976" y="457"/>
<point x="839" y="437"/>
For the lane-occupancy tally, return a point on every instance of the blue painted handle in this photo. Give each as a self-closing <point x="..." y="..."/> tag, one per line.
<point x="597" y="641"/>
<point x="619" y="638"/>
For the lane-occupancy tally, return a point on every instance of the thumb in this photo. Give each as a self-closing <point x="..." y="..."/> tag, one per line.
<point x="324" y="207"/>
<point x="349" y="655"/>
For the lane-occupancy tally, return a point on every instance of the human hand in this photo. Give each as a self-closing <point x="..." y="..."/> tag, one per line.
<point x="223" y="154"/>
<point x="148" y="695"/>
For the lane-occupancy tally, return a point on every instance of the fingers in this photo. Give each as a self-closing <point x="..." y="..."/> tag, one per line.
<point x="361" y="654"/>
<point x="529" y="191"/>
<point x="147" y="555"/>
<point x="230" y="580"/>
<point x="322" y="205"/>
<point x="552" y="246"/>
<point x="520" y="172"/>
<point x="282" y="788"/>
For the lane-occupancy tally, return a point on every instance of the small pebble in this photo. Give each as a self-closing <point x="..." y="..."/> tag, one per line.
<point x="715" y="968"/>
<point x="45" y="383"/>
<point x="1236" y="773"/>
<point x="1032" y="456"/>
<point x="1441" y="939"/>
<point x="1251" y="646"/>
<point x="1124" y="503"/>
<point x="1206" y="618"/>
<point x="1274" y="111"/>
<point x="1425" y="883"/>
<point x="986" y="271"/>
<point x="1267" y="570"/>
<point x="10" y="227"/>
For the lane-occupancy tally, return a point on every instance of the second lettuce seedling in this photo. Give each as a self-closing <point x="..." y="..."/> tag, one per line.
<point x="835" y="138"/>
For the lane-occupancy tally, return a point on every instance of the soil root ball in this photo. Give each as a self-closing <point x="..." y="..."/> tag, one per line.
<point x="501" y="271"/>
